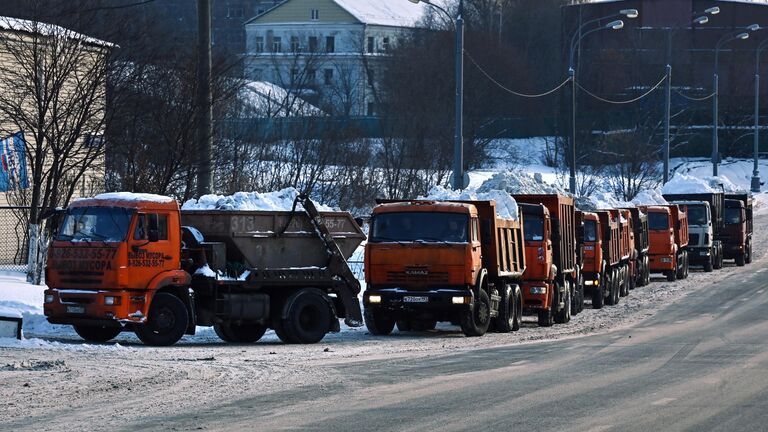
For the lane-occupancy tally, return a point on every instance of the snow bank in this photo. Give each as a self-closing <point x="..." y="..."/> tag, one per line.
<point x="685" y="184"/>
<point x="506" y="206"/>
<point x="516" y="182"/>
<point x="281" y="200"/>
<point x="649" y="197"/>
<point x="130" y="196"/>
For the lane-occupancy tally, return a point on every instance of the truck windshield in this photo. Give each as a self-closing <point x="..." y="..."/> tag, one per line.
<point x="534" y="227"/>
<point x="658" y="221"/>
<point x="590" y="231"/>
<point x="106" y="224"/>
<point x="697" y="215"/>
<point x="732" y="216"/>
<point x="420" y="226"/>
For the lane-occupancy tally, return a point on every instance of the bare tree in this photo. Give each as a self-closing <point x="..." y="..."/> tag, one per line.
<point x="53" y="88"/>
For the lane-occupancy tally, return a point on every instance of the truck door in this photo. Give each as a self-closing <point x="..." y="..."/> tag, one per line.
<point x="477" y="254"/>
<point x="151" y="247"/>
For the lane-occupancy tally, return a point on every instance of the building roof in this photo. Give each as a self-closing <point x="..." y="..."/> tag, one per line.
<point x="45" y="29"/>
<point x="578" y="2"/>
<point x="391" y="13"/>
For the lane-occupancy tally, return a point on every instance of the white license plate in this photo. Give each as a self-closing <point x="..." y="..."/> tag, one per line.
<point x="416" y="299"/>
<point x="76" y="309"/>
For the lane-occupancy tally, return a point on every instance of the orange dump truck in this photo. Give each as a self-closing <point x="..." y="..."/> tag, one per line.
<point x="430" y="261"/>
<point x="551" y="278"/>
<point x="136" y="262"/>
<point x="668" y="240"/>
<point x="607" y="255"/>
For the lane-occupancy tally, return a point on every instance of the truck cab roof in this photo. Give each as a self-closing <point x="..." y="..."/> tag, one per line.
<point x="425" y="206"/>
<point x="128" y="200"/>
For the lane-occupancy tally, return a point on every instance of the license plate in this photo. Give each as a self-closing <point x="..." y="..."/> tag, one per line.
<point x="76" y="309"/>
<point x="703" y="253"/>
<point x="416" y="299"/>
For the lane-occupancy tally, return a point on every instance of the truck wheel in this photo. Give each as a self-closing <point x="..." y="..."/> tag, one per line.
<point x="404" y="325"/>
<point x="681" y="267"/>
<point x="564" y="315"/>
<point x="166" y="323"/>
<point x="97" y="333"/>
<point x="740" y="260"/>
<point x="475" y="322"/>
<point x="718" y="260"/>
<point x="239" y="333"/>
<point x="624" y="282"/>
<point x="546" y="318"/>
<point x="647" y="271"/>
<point x="708" y="266"/>
<point x="671" y="275"/>
<point x="612" y="286"/>
<point x="748" y="257"/>
<point x="598" y="294"/>
<point x="578" y="297"/>
<point x="378" y="324"/>
<point x="308" y="318"/>
<point x="277" y="326"/>
<point x="518" y="296"/>
<point x="504" y="321"/>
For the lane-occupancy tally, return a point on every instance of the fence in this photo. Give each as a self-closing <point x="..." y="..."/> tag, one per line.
<point x="13" y="238"/>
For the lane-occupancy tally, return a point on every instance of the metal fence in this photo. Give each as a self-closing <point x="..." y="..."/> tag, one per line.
<point x="13" y="238"/>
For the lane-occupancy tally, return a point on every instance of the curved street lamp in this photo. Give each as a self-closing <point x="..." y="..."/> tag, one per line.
<point x="755" y="169"/>
<point x="740" y="34"/>
<point x="575" y="39"/>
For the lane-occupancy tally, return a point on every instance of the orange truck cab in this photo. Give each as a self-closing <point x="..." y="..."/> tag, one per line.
<point x="430" y="261"/>
<point x="668" y="240"/>
<point x="551" y="279"/>
<point x="123" y="261"/>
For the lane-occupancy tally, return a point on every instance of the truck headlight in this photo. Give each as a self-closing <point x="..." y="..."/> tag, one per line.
<point x="459" y="300"/>
<point x="538" y="290"/>
<point x="374" y="298"/>
<point x="588" y="282"/>
<point x="49" y="298"/>
<point x="111" y="300"/>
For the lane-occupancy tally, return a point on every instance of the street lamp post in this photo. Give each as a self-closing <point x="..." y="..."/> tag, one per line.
<point x="575" y="39"/>
<point x="740" y="35"/>
<point x="668" y="87"/>
<point x="457" y="179"/>
<point x="756" y="169"/>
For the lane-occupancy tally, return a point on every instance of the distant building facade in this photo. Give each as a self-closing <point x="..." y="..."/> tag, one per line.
<point x="329" y="52"/>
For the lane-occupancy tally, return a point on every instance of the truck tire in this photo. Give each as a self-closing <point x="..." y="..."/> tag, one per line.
<point x="612" y="286"/>
<point x="740" y="260"/>
<point x="719" y="259"/>
<point x="277" y="326"/>
<point x="687" y="265"/>
<point x="239" y="333"/>
<point x="564" y="315"/>
<point x="546" y="318"/>
<point x="624" y="281"/>
<point x="671" y="275"/>
<point x="475" y="321"/>
<point x="504" y="321"/>
<point x="748" y="257"/>
<point x="598" y="293"/>
<point x="578" y="297"/>
<point x="404" y="325"/>
<point x="709" y="266"/>
<point x="632" y="279"/>
<point x="682" y="266"/>
<point x="378" y="324"/>
<point x="518" y="296"/>
<point x="97" y="333"/>
<point x="647" y="271"/>
<point x="166" y="323"/>
<point x="308" y="317"/>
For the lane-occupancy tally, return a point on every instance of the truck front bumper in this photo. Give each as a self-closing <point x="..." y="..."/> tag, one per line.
<point x="699" y="255"/>
<point x="731" y="250"/>
<point x="67" y="306"/>
<point x="661" y="263"/>
<point x="405" y="300"/>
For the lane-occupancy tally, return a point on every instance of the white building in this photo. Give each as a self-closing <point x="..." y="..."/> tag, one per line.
<point x="328" y="51"/>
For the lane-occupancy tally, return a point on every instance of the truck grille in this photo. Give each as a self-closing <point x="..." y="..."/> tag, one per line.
<point x="427" y="278"/>
<point x="693" y="239"/>
<point x="81" y="277"/>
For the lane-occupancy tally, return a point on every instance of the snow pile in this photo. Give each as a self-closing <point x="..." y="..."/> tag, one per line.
<point x="723" y="183"/>
<point x="506" y="206"/>
<point x="130" y="196"/>
<point x="265" y="97"/>
<point x="516" y="182"/>
<point x="281" y="200"/>
<point x="685" y="184"/>
<point x="649" y="197"/>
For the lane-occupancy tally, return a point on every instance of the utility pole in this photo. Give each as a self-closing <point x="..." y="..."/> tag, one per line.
<point x="458" y="148"/>
<point x="204" y="99"/>
<point x="667" y="106"/>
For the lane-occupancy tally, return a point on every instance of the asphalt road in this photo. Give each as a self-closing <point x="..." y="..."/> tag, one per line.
<point x="700" y="364"/>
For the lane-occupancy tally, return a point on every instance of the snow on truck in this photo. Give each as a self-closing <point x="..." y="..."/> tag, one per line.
<point x="551" y="282"/>
<point x="458" y="261"/>
<point x="136" y="262"/>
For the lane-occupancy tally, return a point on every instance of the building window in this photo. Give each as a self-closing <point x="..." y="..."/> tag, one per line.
<point x="370" y="112"/>
<point x="328" y="76"/>
<point x="385" y="44"/>
<point x="313" y="44"/>
<point x="370" y="44"/>
<point x="235" y="12"/>
<point x="277" y="45"/>
<point x="294" y="44"/>
<point x="330" y="44"/>
<point x="258" y="46"/>
<point x="315" y="14"/>
<point x="294" y="75"/>
<point x="311" y="76"/>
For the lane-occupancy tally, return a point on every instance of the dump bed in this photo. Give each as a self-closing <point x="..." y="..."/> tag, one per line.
<point x="502" y="240"/>
<point x="275" y="239"/>
<point x="563" y="213"/>
<point x="639" y="223"/>
<point x="716" y="205"/>
<point x="609" y="223"/>
<point x="680" y="221"/>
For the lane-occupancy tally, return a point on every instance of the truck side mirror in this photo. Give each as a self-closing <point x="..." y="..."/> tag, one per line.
<point x="153" y="232"/>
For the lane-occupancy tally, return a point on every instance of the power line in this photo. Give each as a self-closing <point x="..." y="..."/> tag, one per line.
<point x="711" y="95"/>
<point x="547" y="93"/>
<point x="125" y="6"/>
<point x="625" y="101"/>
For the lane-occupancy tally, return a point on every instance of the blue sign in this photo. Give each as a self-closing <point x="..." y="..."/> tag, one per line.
<point x="13" y="163"/>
